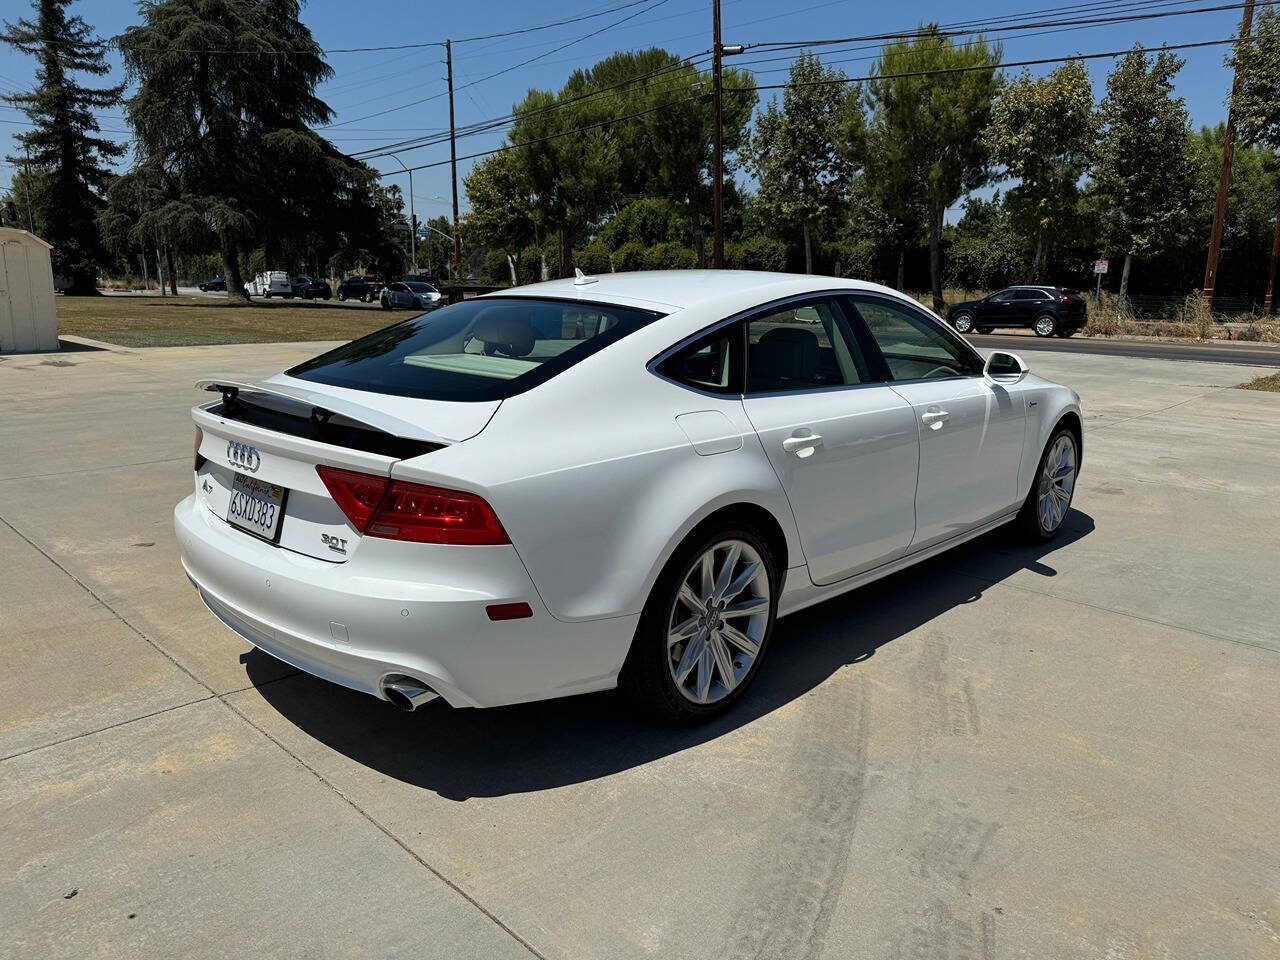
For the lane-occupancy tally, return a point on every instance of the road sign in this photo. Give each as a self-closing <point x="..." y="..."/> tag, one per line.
<point x="1100" y="266"/>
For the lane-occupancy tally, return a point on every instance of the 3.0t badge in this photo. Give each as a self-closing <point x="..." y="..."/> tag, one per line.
<point x="334" y="543"/>
<point x="243" y="457"/>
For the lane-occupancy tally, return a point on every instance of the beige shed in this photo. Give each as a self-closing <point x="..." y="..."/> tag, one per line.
<point x="28" y="316"/>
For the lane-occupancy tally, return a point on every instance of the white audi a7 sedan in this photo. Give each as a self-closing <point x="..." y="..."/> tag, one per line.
<point x="612" y="481"/>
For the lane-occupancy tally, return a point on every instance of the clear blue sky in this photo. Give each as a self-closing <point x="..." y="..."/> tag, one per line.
<point x="366" y="83"/>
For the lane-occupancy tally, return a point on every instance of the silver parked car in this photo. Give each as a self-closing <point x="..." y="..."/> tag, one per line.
<point x="410" y="295"/>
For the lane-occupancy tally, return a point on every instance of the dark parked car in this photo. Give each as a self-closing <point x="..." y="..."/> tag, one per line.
<point x="217" y="283"/>
<point x="309" y="288"/>
<point x="1047" y="310"/>
<point x="360" y="288"/>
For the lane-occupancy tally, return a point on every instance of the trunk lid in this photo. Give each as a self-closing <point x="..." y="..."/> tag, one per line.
<point x="278" y="431"/>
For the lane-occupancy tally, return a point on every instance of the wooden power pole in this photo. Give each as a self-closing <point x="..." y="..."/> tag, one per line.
<point x="717" y="167"/>
<point x="453" y="160"/>
<point x="1224" y="172"/>
<point x="1271" y="273"/>
<point x="718" y="52"/>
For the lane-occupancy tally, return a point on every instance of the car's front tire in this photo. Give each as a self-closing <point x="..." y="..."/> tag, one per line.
<point x="706" y="627"/>
<point x="1054" y="486"/>
<point x="1046" y="325"/>
<point x="963" y="322"/>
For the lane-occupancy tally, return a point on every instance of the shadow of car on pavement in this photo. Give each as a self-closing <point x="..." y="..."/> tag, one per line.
<point x="498" y="751"/>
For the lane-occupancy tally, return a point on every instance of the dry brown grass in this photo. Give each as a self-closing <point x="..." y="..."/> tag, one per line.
<point x="1270" y="383"/>
<point x="152" y="321"/>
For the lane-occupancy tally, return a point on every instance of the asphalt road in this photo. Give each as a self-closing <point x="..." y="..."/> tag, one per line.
<point x="1251" y="354"/>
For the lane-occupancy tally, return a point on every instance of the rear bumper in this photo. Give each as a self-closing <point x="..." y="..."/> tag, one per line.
<point x="358" y="622"/>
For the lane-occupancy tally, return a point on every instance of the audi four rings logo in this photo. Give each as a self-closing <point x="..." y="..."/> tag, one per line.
<point x="243" y="456"/>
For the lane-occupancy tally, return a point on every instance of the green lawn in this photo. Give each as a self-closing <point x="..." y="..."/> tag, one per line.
<point x="143" y="321"/>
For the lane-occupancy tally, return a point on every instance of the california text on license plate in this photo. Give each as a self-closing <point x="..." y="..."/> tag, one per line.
<point x="256" y="506"/>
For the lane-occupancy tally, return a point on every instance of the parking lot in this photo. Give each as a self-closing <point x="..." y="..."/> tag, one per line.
<point x="1064" y="752"/>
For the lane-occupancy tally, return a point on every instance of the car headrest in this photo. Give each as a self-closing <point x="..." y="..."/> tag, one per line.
<point x="787" y="353"/>
<point x="505" y="331"/>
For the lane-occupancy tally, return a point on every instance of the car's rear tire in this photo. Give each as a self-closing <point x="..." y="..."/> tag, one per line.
<point x="1045" y="325"/>
<point x="1052" y="489"/>
<point x="385" y="303"/>
<point x="963" y="322"/>
<point x="685" y="645"/>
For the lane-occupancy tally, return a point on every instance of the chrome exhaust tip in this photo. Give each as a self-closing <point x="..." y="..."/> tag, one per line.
<point x="408" y="694"/>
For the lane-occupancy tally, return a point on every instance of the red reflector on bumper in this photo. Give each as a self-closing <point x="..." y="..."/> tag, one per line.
<point x="508" y="611"/>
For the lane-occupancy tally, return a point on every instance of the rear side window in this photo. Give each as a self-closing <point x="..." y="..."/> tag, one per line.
<point x="487" y="348"/>
<point x="712" y="363"/>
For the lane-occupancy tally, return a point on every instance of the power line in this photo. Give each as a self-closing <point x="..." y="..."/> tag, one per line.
<point x="916" y="73"/>
<point x="1039" y="25"/>
<point x="653" y="5"/>
<point x="969" y="69"/>
<point x="482" y="126"/>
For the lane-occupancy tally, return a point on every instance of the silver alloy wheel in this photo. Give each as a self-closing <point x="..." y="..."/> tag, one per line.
<point x="1045" y="326"/>
<point x="964" y="323"/>
<point x="718" y="621"/>
<point x="1057" y="483"/>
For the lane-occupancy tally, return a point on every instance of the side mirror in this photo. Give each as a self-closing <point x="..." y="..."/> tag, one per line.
<point x="1004" y="367"/>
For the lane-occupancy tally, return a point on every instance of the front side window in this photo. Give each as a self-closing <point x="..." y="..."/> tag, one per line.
<point x="914" y="346"/>
<point x="486" y="348"/>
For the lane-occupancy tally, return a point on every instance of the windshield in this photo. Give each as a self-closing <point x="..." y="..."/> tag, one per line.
<point x="487" y="348"/>
<point x="420" y="287"/>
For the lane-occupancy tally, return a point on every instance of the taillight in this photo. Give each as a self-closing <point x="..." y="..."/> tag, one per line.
<point x="197" y="461"/>
<point x="412" y="511"/>
<point x="396" y="510"/>
<point x="1064" y="298"/>
<point x="357" y="494"/>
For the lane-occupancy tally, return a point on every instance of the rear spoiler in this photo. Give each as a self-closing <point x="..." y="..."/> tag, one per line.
<point x="325" y="406"/>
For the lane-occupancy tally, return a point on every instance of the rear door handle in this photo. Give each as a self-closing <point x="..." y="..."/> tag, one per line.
<point x="797" y="444"/>
<point x="935" y="416"/>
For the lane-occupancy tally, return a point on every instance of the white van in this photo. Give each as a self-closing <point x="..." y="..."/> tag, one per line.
<point x="273" y="283"/>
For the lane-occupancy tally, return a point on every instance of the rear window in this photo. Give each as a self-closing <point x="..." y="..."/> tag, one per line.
<point x="487" y="348"/>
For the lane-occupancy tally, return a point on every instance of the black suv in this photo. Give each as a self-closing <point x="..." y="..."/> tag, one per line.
<point x="365" y="289"/>
<point x="1047" y="310"/>
<point x="309" y="288"/>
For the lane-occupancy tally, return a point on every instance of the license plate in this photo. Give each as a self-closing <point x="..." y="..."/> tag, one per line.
<point x="256" y="506"/>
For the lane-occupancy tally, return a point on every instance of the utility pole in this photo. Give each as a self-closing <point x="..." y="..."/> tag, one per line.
<point x="717" y="169"/>
<point x="453" y="160"/>
<point x="26" y="186"/>
<point x="1271" y="273"/>
<point x="413" y="220"/>
<point x="718" y="52"/>
<point x="1224" y="173"/>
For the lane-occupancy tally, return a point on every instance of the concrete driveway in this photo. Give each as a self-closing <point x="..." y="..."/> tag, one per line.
<point x="1062" y="752"/>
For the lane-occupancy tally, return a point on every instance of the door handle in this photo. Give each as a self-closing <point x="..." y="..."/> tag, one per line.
<point x="935" y="416"/>
<point x="799" y="444"/>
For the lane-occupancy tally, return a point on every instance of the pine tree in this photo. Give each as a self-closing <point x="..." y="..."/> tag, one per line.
<point x="64" y="145"/>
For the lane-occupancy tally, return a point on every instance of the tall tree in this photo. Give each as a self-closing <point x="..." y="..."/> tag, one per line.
<point x="1142" y="168"/>
<point x="1042" y="131"/>
<point x="223" y="113"/>
<point x="931" y="99"/>
<point x="795" y="151"/>
<point x="64" y="145"/>
<point x="1257" y="103"/>
<point x="500" y="208"/>
<point x="570" y="162"/>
